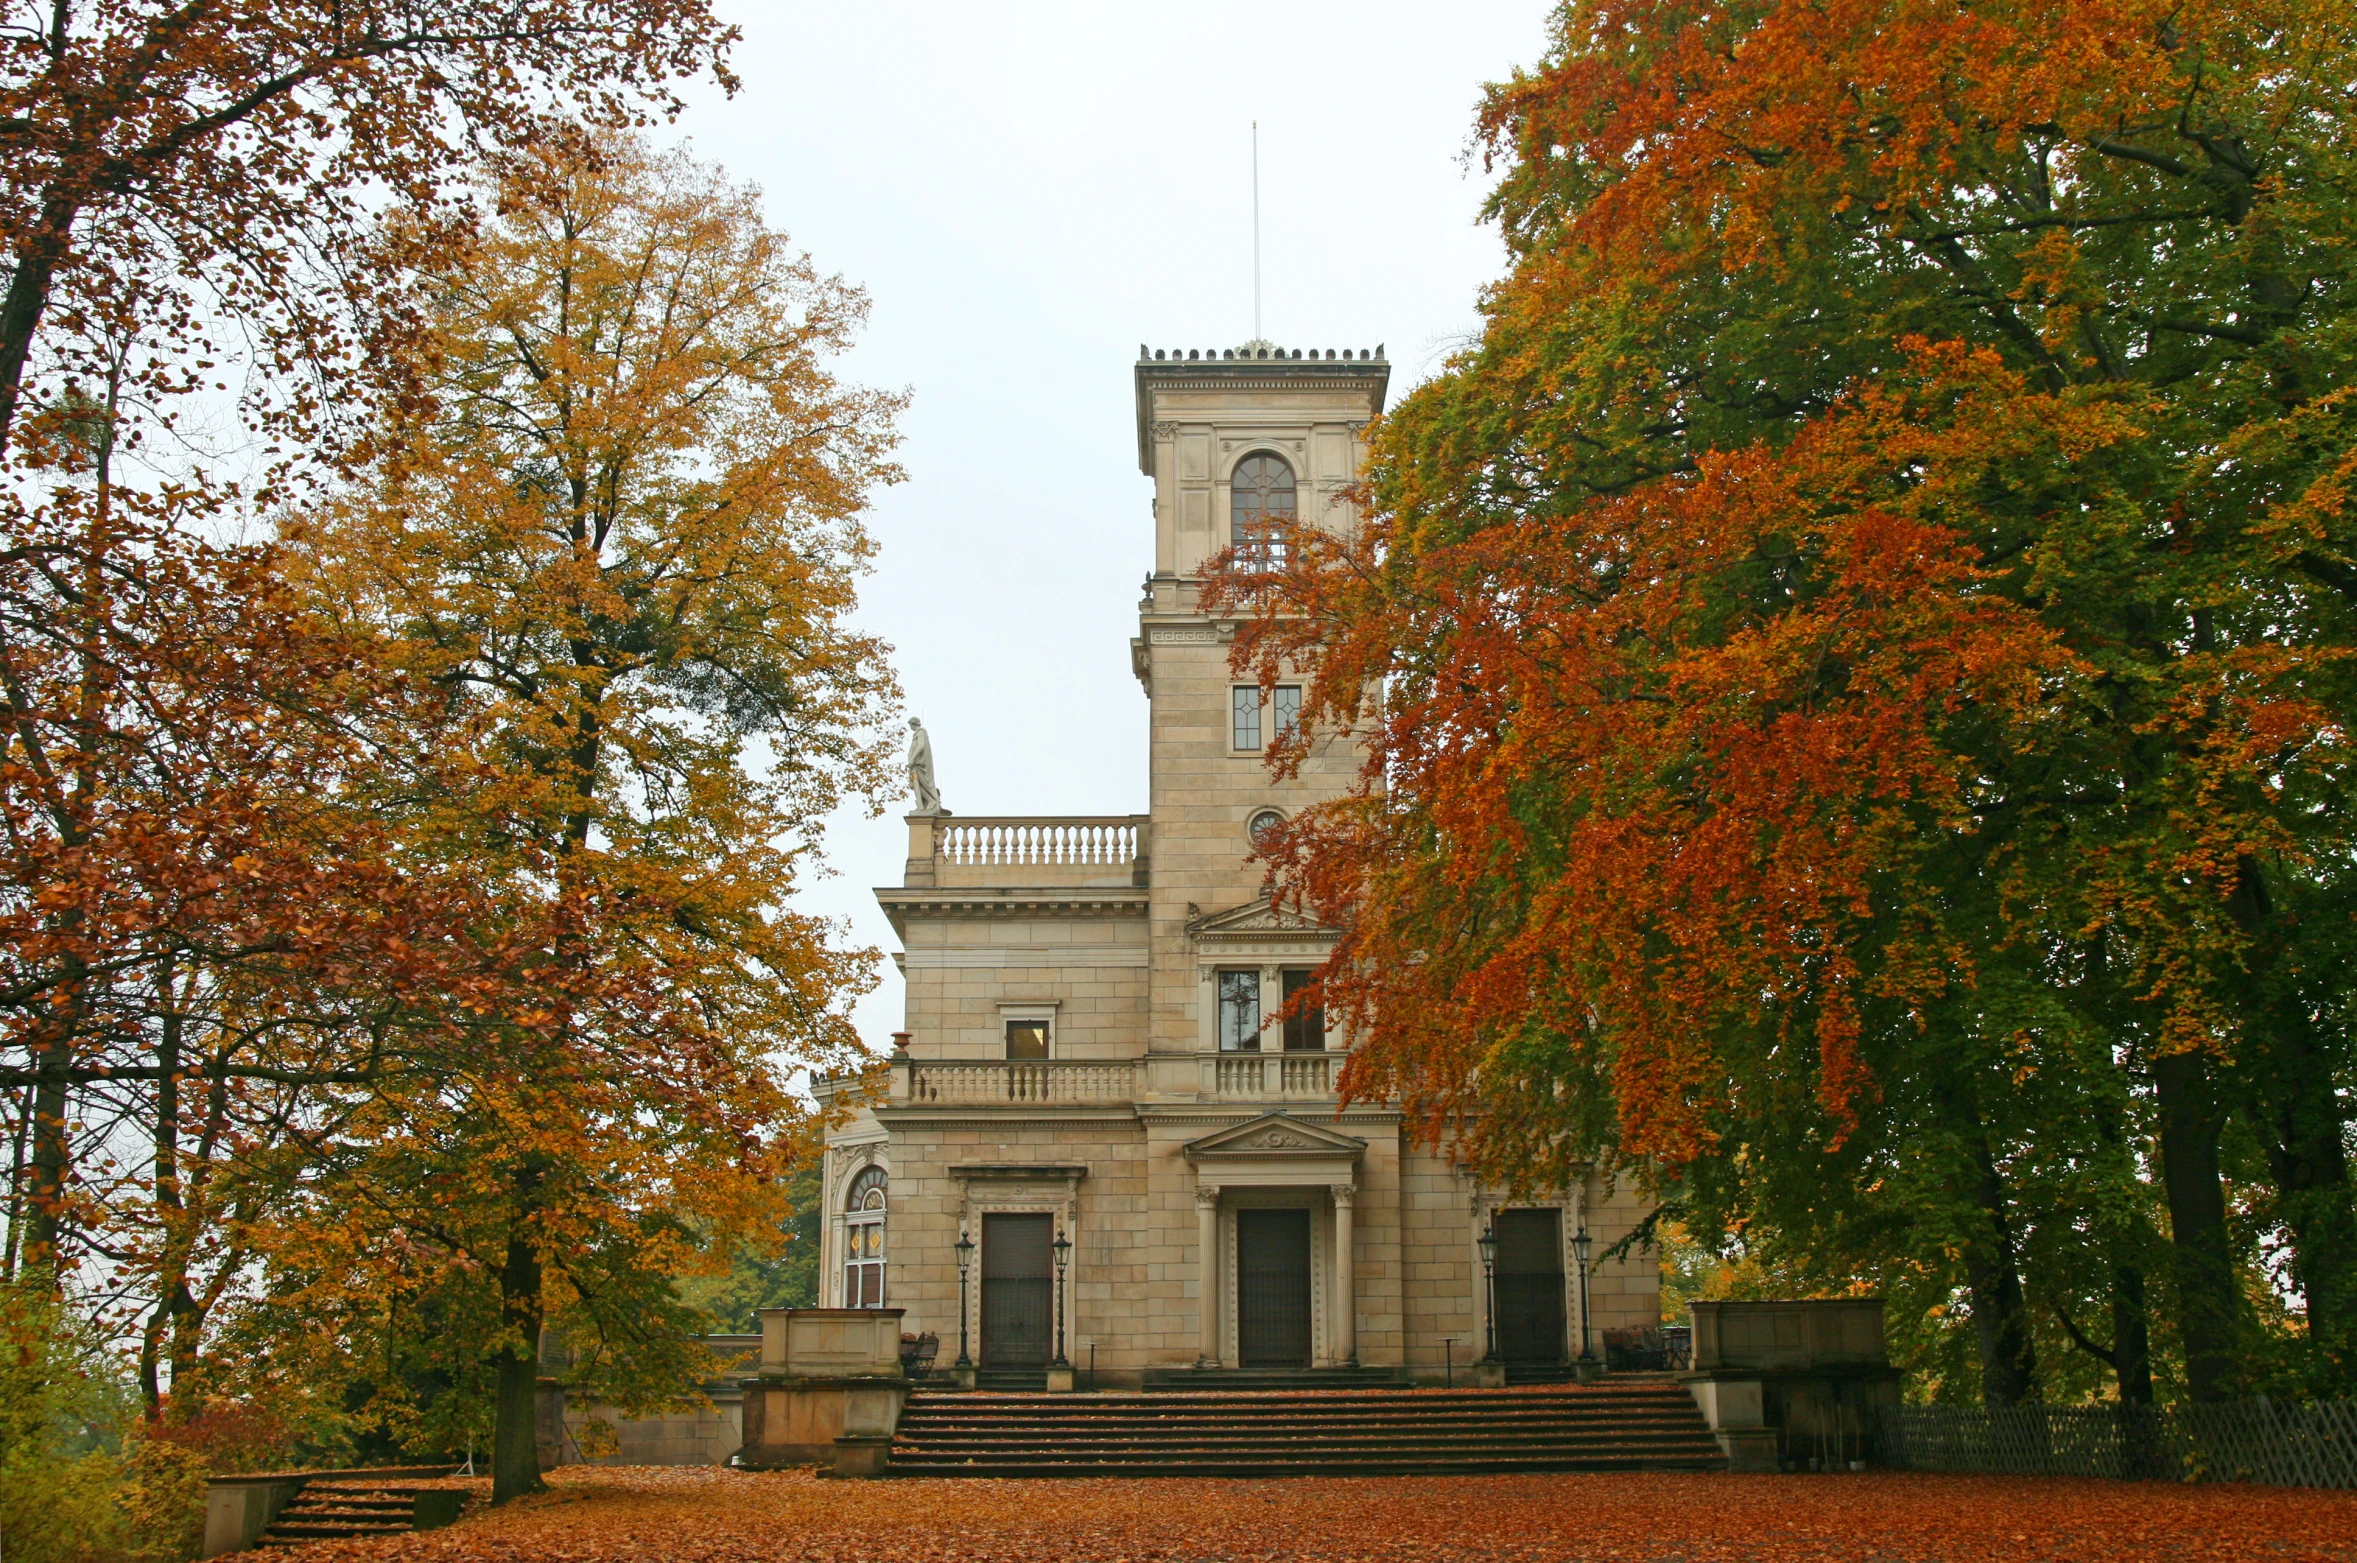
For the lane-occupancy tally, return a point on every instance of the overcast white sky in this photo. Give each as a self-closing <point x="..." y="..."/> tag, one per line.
<point x="1028" y="192"/>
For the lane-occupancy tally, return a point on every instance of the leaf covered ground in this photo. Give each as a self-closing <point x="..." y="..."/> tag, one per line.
<point x="707" y="1515"/>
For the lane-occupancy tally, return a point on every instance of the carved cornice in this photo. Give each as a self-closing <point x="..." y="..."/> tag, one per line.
<point x="901" y="903"/>
<point x="1369" y="377"/>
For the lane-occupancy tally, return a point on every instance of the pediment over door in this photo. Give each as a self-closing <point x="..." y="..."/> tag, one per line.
<point x="1276" y="1149"/>
<point x="1256" y="917"/>
<point x="1256" y="933"/>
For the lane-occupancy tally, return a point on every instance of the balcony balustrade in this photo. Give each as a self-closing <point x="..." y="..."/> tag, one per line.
<point x="1218" y="1077"/>
<point x="1023" y="1082"/>
<point x="1286" y="1076"/>
<point x="949" y="851"/>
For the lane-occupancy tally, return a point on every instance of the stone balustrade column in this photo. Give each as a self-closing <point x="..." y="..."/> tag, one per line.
<point x="1207" y="1287"/>
<point x="1346" y="1300"/>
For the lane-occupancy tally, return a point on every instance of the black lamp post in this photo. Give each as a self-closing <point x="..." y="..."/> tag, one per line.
<point x="1063" y="1247"/>
<point x="1489" y="1285"/>
<point x="965" y="1253"/>
<point x="1580" y="1244"/>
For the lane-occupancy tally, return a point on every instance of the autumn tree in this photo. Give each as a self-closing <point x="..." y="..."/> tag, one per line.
<point x="204" y="172"/>
<point x="208" y="915"/>
<point x="1865" y="642"/>
<point x="623" y="533"/>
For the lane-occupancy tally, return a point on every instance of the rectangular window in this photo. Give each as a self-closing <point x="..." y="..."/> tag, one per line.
<point x="1305" y="1031"/>
<point x="1287" y="707"/>
<point x="1244" y="725"/>
<point x="1239" y="1012"/>
<point x="1027" y="1039"/>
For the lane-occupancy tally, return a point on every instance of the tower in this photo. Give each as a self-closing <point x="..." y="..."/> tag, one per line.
<point x="1241" y="444"/>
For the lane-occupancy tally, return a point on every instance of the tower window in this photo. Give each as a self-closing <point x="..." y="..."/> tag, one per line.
<point x="1244" y="716"/>
<point x="1287" y="705"/>
<point x="1244" y="702"/>
<point x="863" y="1247"/>
<point x="1239" y="1011"/>
<point x="1260" y="510"/>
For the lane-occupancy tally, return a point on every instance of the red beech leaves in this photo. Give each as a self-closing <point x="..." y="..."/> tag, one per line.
<point x="706" y="1515"/>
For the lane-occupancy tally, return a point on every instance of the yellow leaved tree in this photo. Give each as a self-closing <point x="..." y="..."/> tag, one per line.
<point x="622" y="539"/>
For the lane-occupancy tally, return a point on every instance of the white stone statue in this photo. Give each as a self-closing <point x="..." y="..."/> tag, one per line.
<point x="920" y="770"/>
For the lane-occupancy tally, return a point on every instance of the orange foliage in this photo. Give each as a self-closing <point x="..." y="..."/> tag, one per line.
<point x="704" y="1515"/>
<point x="1750" y="785"/>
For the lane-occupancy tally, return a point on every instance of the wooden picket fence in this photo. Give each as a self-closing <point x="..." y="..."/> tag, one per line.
<point x="2307" y="1444"/>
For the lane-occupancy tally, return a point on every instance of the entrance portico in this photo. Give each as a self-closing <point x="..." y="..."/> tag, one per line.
<point x="1278" y="1195"/>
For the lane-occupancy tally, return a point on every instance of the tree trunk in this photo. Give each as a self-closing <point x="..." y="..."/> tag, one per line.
<point x="2131" y="1336"/>
<point x="2208" y="1309"/>
<point x="23" y="1103"/>
<point x="2000" y="1315"/>
<point x="44" y="1211"/>
<point x="2300" y="1117"/>
<point x="515" y="1446"/>
<point x="27" y="300"/>
<point x="165" y="1151"/>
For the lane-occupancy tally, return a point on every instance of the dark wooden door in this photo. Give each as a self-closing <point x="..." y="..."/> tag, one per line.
<point x="1017" y="1282"/>
<point x="1530" y="1285"/>
<point x="1272" y="1288"/>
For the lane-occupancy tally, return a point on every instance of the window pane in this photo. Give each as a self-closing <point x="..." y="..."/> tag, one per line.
<point x="1260" y="506"/>
<point x="1027" y="1039"/>
<point x="1245" y="707"/>
<point x="1287" y="706"/>
<point x="1260" y="491"/>
<point x="1305" y="1032"/>
<point x="1239" y="1012"/>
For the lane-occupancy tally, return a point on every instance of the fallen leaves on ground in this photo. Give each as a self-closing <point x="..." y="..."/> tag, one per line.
<point x="642" y="1514"/>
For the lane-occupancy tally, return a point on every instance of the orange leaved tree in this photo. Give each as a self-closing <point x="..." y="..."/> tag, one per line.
<point x="204" y="169"/>
<point x="1865" y="644"/>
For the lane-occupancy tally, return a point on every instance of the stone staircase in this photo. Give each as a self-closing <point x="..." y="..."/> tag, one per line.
<point x="1196" y="1380"/>
<point x="342" y="1507"/>
<point x="1643" y="1424"/>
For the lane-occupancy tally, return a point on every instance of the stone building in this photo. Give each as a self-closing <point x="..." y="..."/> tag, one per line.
<point x="1092" y="1053"/>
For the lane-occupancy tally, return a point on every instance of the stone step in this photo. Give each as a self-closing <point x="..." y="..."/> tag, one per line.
<point x="1199" y="1380"/>
<point x="1304" y="1418"/>
<point x="930" y="1433"/>
<point x="1429" y="1465"/>
<point x="1388" y="1451"/>
<point x="1644" y="1425"/>
<point x="1484" y="1398"/>
<point x="328" y="1511"/>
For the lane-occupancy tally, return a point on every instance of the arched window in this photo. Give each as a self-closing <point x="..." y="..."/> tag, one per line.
<point x="1261" y="510"/>
<point x="863" y="1249"/>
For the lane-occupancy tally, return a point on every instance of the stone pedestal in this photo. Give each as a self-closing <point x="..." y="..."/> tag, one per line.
<point x="1489" y="1373"/>
<point x="828" y="1392"/>
<point x="1060" y="1381"/>
<point x="858" y="1456"/>
<point x="1779" y="1380"/>
<point x="1587" y="1370"/>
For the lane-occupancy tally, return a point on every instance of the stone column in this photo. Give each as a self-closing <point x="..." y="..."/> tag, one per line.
<point x="1346" y="1297"/>
<point x="1207" y="1287"/>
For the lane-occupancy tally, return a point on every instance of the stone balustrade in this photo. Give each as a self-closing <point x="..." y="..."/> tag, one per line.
<point x="949" y="851"/>
<point x="1220" y="1077"/>
<point x="1276" y="1076"/>
<point x="977" y="1081"/>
